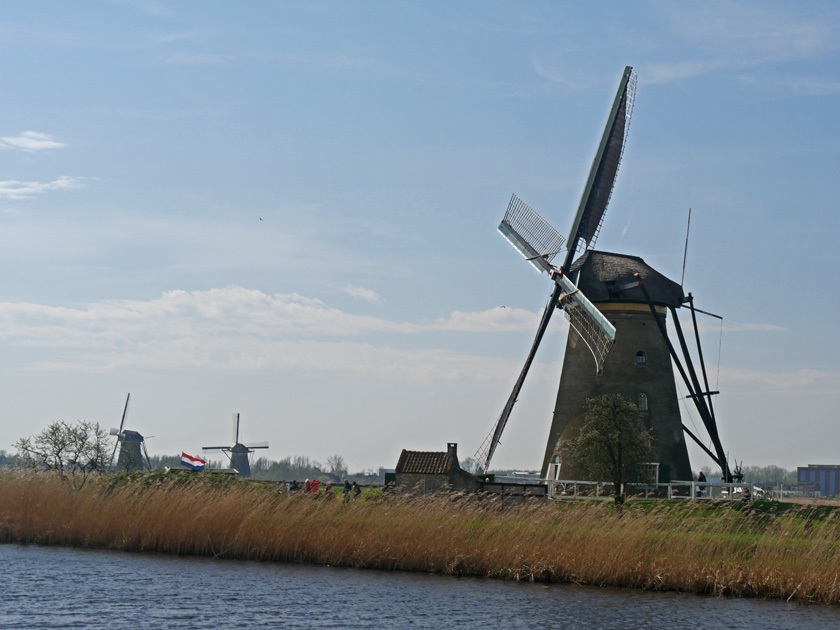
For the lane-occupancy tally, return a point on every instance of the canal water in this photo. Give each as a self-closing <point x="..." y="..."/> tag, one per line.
<point x="51" y="587"/>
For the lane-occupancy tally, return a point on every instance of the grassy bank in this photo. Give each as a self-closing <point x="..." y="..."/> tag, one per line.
<point x="764" y="551"/>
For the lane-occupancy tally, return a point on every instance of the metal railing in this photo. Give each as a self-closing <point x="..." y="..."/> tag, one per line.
<point x="674" y="490"/>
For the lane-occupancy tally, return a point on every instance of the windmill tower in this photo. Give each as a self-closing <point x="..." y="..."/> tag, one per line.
<point x="638" y="366"/>
<point x="132" y="446"/>
<point x="239" y="454"/>
<point x="616" y="306"/>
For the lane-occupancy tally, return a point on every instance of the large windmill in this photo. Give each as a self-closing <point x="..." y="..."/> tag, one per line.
<point x="616" y="306"/>
<point x="132" y="446"/>
<point x="239" y="454"/>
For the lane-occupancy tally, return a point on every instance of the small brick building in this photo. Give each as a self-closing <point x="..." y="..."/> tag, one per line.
<point x="432" y="470"/>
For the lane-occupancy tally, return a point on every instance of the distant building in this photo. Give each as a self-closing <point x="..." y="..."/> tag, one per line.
<point x="432" y="470"/>
<point x="822" y="478"/>
<point x="384" y="475"/>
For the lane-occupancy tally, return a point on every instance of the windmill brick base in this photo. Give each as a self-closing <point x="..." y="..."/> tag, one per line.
<point x="638" y="367"/>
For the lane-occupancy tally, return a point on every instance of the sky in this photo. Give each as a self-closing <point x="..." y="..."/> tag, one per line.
<point x="288" y="210"/>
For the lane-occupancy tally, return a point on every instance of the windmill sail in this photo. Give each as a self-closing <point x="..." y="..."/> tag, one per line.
<point x="120" y="430"/>
<point x="595" y="329"/>
<point x="599" y="184"/>
<point x="486" y="450"/>
<point x="530" y="235"/>
<point x="539" y="243"/>
<point x="239" y="454"/>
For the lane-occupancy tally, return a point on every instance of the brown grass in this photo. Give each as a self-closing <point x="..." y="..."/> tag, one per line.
<point x="700" y="548"/>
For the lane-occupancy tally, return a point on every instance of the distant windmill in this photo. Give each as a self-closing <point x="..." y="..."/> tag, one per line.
<point x="616" y="306"/>
<point x="239" y="454"/>
<point x="132" y="446"/>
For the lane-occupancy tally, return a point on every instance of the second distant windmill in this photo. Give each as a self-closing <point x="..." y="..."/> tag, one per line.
<point x="239" y="454"/>
<point x="132" y="446"/>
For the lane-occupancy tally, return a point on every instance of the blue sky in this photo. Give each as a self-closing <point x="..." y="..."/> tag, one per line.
<point x="289" y="210"/>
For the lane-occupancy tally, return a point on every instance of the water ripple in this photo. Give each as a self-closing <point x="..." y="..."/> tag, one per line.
<point x="45" y="587"/>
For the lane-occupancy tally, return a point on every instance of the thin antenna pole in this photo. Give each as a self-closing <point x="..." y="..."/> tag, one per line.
<point x="685" y="252"/>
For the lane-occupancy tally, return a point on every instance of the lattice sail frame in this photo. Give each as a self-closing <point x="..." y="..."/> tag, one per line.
<point x="482" y="455"/>
<point x="627" y="93"/>
<point x="597" y="331"/>
<point x="526" y="231"/>
<point x="531" y="235"/>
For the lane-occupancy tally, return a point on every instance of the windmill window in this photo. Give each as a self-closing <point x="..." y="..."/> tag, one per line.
<point x="643" y="402"/>
<point x="641" y="358"/>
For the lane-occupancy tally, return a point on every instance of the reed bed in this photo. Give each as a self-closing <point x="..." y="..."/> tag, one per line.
<point x="699" y="548"/>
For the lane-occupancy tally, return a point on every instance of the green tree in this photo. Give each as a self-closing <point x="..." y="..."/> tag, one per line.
<point x="613" y="441"/>
<point x="71" y="450"/>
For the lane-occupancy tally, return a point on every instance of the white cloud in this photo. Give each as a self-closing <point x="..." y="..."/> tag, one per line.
<point x="31" y="141"/>
<point x="725" y="35"/>
<point x="568" y="76"/>
<point x="15" y="189"/>
<point x="500" y="319"/>
<point x="626" y="225"/>
<point x="671" y="72"/>
<point x="797" y="381"/>
<point x="364" y="294"/>
<point x="704" y="324"/>
<point x="242" y="329"/>
<point x="751" y="327"/>
<point x="200" y="59"/>
<point x="795" y="85"/>
<point x="150" y="7"/>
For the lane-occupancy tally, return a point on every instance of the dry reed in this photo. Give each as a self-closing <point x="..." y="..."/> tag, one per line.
<point x="689" y="547"/>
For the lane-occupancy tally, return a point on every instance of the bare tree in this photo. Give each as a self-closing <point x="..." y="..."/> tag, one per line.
<point x="337" y="466"/>
<point x="74" y="451"/>
<point x="471" y="465"/>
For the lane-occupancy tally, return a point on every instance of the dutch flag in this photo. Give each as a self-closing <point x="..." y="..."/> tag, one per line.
<point x="193" y="463"/>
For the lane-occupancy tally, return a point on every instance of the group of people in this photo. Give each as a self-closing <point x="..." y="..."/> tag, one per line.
<point x="746" y="495"/>
<point x="313" y="488"/>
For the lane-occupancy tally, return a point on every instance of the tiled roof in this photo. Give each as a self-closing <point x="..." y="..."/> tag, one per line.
<point x="424" y="463"/>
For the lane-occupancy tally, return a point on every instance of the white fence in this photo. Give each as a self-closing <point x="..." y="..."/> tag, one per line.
<point x="676" y="490"/>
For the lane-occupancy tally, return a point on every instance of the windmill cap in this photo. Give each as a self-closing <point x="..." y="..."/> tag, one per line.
<point x="605" y="277"/>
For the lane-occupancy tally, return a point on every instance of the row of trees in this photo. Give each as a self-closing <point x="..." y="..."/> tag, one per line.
<point x="76" y="451"/>
<point x="767" y="476"/>
<point x="612" y="443"/>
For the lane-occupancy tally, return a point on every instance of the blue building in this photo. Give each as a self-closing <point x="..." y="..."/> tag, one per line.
<point x="822" y="478"/>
